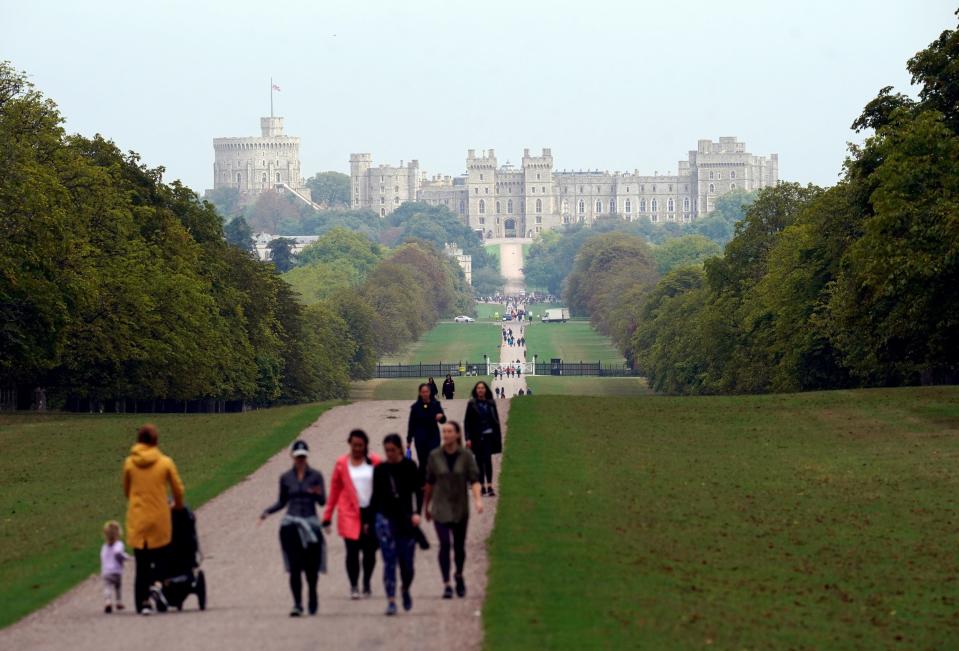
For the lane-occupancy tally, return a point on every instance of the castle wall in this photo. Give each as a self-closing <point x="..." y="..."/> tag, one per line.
<point x="257" y="164"/>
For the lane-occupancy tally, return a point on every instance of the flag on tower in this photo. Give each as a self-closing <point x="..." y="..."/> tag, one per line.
<point x="275" y="87"/>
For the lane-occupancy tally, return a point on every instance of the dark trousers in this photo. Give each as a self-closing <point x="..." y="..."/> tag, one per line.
<point x="457" y="532"/>
<point x="302" y="561"/>
<point x="149" y="569"/>
<point x="422" y="455"/>
<point x="397" y="550"/>
<point x="484" y="460"/>
<point x="365" y="545"/>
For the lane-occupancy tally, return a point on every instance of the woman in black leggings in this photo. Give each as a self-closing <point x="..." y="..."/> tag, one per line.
<point x="483" y="434"/>
<point x="301" y="535"/>
<point x="451" y="476"/>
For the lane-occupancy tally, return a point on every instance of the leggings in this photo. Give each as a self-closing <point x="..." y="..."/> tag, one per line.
<point x="149" y="570"/>
<point x="112" y="584"/>
<point x="484" y="460"/>
<point x="396" y="550"/>
<point x="456" y="530"/>
<point x="302" y="561"/>
<point x="365" y="544"/>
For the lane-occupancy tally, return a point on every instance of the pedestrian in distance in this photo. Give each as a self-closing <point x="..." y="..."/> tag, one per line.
<point x="112" y="558"/>
<point x="351" y="490"/>
<point x="301" y="534"/>
<point x="397" y="503"/>
<point x="147" y="473"/>
<point x="452" y="477"/>
<point x="484" y="436"/>
<point x="449" y="387"/>
<point x="434" y="391"/>
<point x="422" y="432"/>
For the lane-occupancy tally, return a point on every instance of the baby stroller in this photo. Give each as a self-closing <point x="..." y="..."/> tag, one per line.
<point x="183" y="574"/>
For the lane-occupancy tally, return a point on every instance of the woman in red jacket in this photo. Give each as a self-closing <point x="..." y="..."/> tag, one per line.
<point x="351" y="489"/>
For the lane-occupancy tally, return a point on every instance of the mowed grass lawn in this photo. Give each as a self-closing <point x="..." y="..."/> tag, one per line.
<point x="489" y="311"/>
<point x="452" y="342"/>
<point x="548" y="385"/>
<point x="809" y="521"/>
<point x="60" y="480"/>
<point x="573" y="341"/>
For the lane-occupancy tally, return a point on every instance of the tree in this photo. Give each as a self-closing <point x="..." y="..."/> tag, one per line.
<point x="239" y="234"/>
<point x="683" y="251"/>
<point x="271" y="210"/>
<point x="226" y="200"/>
<point x="281" y="253"/>
<point x="487" y="281"/>
<point x="331" y="189"/>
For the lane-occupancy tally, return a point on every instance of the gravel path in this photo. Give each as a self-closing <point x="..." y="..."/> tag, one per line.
<point x="249" y="599"/>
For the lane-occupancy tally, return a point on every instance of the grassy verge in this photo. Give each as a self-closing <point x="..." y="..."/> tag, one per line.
<point x="489" y="311"/>
<point x="60" y="479"/>
<point x="574" y="341"/>
<point x="452" y="342"/>
<point x="547" y="385"/>
<point x="811" y="521"/>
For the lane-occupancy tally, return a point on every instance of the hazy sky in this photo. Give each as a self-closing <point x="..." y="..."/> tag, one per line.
<point x="609" y="85"/>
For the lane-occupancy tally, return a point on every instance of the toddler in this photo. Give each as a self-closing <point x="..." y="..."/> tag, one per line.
<point x="112" y="556"/>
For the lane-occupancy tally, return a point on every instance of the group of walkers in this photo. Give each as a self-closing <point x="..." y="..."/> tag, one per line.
<point x="380" y="502"/>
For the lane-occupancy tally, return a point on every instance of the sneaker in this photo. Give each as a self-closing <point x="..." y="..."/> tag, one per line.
<point x="407" y="600"/>
<point x="108" y="609"/>
<point x="314" y="605"/>
<point x="460" y="586"/>
<point x="146" y="611"/>
<point x="483" y="490"/>
<point x="354" y="594"/>
<point x="297" y="611"/>
<point x="490" y="492"/>
<point x="391" y="609"/>
<point x="119" y="607"/>
<point x="367" y="592"/>
<point x="447" y="592"/>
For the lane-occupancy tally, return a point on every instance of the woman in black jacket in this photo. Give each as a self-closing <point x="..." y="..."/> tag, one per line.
<point x="397" y="501"/>
<point x="423" y="431"/>
<point x="449" y="387"/>
<point x="483" y="433"/>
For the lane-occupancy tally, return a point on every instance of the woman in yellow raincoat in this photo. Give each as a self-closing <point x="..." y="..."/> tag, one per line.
<point x="146" y="474"/>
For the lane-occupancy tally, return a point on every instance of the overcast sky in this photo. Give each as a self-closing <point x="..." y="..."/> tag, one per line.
<point x="609" y="85"/>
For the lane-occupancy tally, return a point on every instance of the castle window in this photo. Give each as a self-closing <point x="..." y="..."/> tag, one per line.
<point x="712" y="188"/>
<point x="537" y="177"/>
<point x="670" y="207"/>
<point x="382" y="200"/>
<point x="509" y="206"/>
<point x="719" y="175"/>
<point x="475" y="190"/>
<point x="382" y="212"/>
<point x="539" y="219"/>
<point x="533" y="189"/>
<point x="670" y="187"/>
<point x="685" y="188"/>
<point x="732" y="174"/>
<point x="642" y="188"/>
<point x="539" y="206"/>
<point x="654" y="188"/>
<point x="653" y="206"/>
<point x="462" y="207"/>
<point x="599" y="206"/>
<point x="581" y="189"/>
<point x="396" y="201"/>
<point x="481" y="177"/>
<point x="482" y="220"/>
<point x="710" y="175"/>
<point x="629" y="207"/>
<point x="485" y="190"/>
<point x="732" y="186"/>
<point x="686" y="204"/>
<point x="238" y="179"/>
<point x="264" y="178"/>
<point x="544" y="189"/>
<point x="627" y="188"/>
<point x="612" y="205"/>
<point x="482" y="206"/>
<point x="498" y="208"/>
<point x="642" y="205"/>
<point x="277" y="177"/>
<point x="396" y="188"/>
<point x="582" y="206"/>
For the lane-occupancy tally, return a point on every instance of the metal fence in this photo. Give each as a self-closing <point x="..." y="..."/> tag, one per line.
<point x="439" y="369"/>
<point x="597" y="369"/>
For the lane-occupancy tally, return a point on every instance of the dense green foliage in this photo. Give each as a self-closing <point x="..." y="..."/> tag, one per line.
<point x="53" y="509"/>
<point x="330" y="189"/>
<point x="854" y="285"/>
<point x="810" y="521"/>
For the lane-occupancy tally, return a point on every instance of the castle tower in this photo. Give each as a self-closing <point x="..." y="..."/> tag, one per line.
<point x="481" y="185"/>
<point x="359" y="178"/>
<point x="538" y="193"/>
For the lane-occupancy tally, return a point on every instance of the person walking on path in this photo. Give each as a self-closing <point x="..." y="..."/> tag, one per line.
<point x="397" y="502"/>
<point x="451" y="476"/>
<point x="449" y="387"/>
<point x="422" y="432"/>
<point x="112" y="558"/>
<point x="147" y="473"/>
<point x="433" y="390"/>
<point x="351" y="490"/>
<point x="484" y="437"/>
<point x="301" y="535"/>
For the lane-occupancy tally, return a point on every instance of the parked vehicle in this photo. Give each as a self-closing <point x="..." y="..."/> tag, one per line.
<point x="556" y="315"/>
<point x="464" y="319"/>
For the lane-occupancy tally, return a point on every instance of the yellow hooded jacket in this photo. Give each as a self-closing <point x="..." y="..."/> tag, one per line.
<point x="146" y="473"/>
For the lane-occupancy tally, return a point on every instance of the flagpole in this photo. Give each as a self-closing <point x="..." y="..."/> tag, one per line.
<point x="271" y="97"/>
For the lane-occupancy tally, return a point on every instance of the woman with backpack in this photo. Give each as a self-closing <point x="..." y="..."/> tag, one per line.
<point x="484" y="436"/>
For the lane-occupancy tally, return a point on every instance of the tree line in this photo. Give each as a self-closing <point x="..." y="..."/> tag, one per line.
<point x="850" y="286"/>
<point x="119" y="289"/>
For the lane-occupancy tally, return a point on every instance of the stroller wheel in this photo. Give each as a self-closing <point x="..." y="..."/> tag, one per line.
<point x="201" y="589"/>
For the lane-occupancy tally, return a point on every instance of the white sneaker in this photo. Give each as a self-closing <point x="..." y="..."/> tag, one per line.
<point x="146" y="610"/>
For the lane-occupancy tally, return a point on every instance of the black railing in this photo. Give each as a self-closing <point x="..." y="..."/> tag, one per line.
<point x="585" y="368"/>
<point x="435" y="370"/>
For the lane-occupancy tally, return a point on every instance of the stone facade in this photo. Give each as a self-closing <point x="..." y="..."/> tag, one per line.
<point x="506" y="201"/>
<point x="257" y="164"/>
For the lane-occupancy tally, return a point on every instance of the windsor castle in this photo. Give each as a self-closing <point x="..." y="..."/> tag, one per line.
<point x="506" y="201"/>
